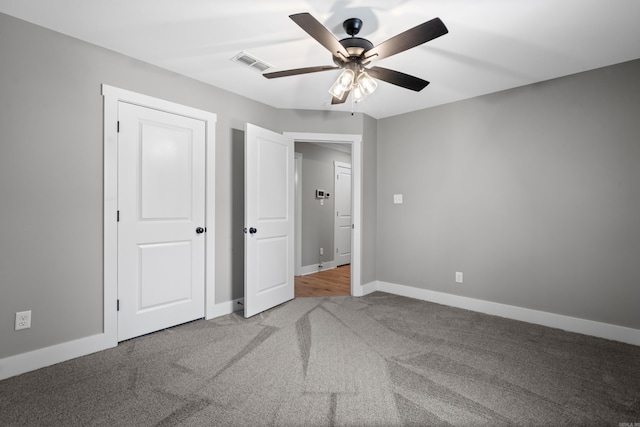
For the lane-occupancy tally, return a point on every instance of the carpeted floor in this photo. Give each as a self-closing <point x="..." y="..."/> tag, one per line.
<point x="376" y="360"/>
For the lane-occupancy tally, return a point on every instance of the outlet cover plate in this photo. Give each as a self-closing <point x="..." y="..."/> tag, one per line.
<point x="23" y="320"/>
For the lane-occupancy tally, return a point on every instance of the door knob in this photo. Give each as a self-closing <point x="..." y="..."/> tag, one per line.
<point x="252" y="230"/>
<point x="199" y="230"/>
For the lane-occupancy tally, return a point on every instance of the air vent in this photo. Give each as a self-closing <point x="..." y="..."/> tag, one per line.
<point x="251" y="61"/>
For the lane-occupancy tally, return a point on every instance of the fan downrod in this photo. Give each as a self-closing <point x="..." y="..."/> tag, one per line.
<point x="352" y="26"/>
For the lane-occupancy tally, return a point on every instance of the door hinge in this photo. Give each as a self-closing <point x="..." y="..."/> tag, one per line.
<point x="117" y="305"/>
<point x="118" y="126"/>
<point x="118" y="217"/>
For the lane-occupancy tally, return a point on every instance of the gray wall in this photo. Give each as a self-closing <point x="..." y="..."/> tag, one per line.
<point x="320" y="121"/>
<point x="318" y="220"/>
<point x="51" y="175"/>
<point x="532" y="193"/>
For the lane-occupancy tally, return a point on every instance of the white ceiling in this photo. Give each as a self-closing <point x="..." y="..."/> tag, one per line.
<point x="492" y="45"/>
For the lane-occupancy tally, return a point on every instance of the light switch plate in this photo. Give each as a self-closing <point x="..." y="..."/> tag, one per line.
<point x="397" y="199"/>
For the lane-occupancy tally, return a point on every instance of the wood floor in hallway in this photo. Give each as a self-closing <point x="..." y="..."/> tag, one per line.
<point x="329" y="283"/>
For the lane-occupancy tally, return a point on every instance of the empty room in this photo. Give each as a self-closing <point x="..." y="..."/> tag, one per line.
<point x="394" y="212"/>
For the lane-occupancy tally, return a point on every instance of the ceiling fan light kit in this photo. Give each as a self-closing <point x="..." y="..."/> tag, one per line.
<point x="343" y="84"/>
<point x="354" y="54"/>
<point x="365" y="86"/>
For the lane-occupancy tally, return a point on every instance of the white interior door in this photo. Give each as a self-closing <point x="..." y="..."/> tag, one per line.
<point x="269" y="220"/>
<point x="161" y="208"/>
<point x="342" y="223"/>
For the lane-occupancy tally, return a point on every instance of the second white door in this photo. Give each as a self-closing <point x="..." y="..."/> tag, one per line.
<point x="342" y="223"/>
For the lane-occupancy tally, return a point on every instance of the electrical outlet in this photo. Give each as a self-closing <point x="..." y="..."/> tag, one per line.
<point x="23" y="320"/>
<point x="321" y="251"/>
<point x="458" y="277"/>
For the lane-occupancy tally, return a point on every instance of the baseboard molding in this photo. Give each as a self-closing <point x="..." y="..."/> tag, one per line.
<point x="368" y="288"/>
<point x="314" y="268"/>
<point x="567" y="323"/>
<point x="40" y="358"/>
<point x="36" y="359"/>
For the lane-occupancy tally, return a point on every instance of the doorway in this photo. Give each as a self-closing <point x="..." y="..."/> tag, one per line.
<point x="321" y="274"/>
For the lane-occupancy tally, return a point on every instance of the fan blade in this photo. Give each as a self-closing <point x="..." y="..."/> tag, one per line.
<point x="335" y="100"/>
<point x="319" y="32"/>
<point x="397" y="78"/>
<point x="297" y="71"/>
<point x="411" y="38"/>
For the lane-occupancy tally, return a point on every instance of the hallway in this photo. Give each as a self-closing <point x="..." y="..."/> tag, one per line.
<point x="334" y="282"/>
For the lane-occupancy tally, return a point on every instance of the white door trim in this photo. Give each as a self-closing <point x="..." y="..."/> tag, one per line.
<point x="113" y="95"/>
<point x="298" y="214"/>
<point x="356" y="195"/>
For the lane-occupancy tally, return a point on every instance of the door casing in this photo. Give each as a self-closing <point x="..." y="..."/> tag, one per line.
<point x="113" y="95"/>
<point x="356" y="195"/>
<point x="298" y="213"/>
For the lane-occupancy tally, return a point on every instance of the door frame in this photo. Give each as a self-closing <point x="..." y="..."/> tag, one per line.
<point x="356" y="195"/>
<point x="112" y="96"/>
<point x="297" y="265"/>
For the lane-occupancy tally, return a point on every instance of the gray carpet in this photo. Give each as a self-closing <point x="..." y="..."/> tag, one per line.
<point x="377" y="360"/>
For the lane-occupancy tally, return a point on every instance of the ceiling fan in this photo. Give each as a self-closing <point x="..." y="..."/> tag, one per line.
<point x="354" y="54"/>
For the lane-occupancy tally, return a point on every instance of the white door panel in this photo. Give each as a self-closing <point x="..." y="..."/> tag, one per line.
<point x="161" y="282"/>
<point x="161" y="202"/>
<point x="166" y="171"/>
<point x="269" y="221"/>
<point x="272" y="260"/>
<point x="342" y="234"/>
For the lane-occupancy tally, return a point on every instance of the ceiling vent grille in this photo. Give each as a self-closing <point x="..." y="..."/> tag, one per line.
<point x="251" y="61"/>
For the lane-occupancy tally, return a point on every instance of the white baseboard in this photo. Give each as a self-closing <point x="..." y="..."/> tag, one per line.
<point x="567" y="323"/>
<point x="368" y="288"/>
<point x="36" y="359"/>
<point x="40" y="358"/>
<point x="314" y="268"/>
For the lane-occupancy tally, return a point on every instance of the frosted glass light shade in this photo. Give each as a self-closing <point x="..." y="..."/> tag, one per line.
<point x="364" y="87"/>
<point x="367" y="84"/>
<point x="357" y="93"/>
<point x="343" y="84"/>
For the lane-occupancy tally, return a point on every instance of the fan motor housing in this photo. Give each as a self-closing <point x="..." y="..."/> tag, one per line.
<point x="355" y="46"/>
